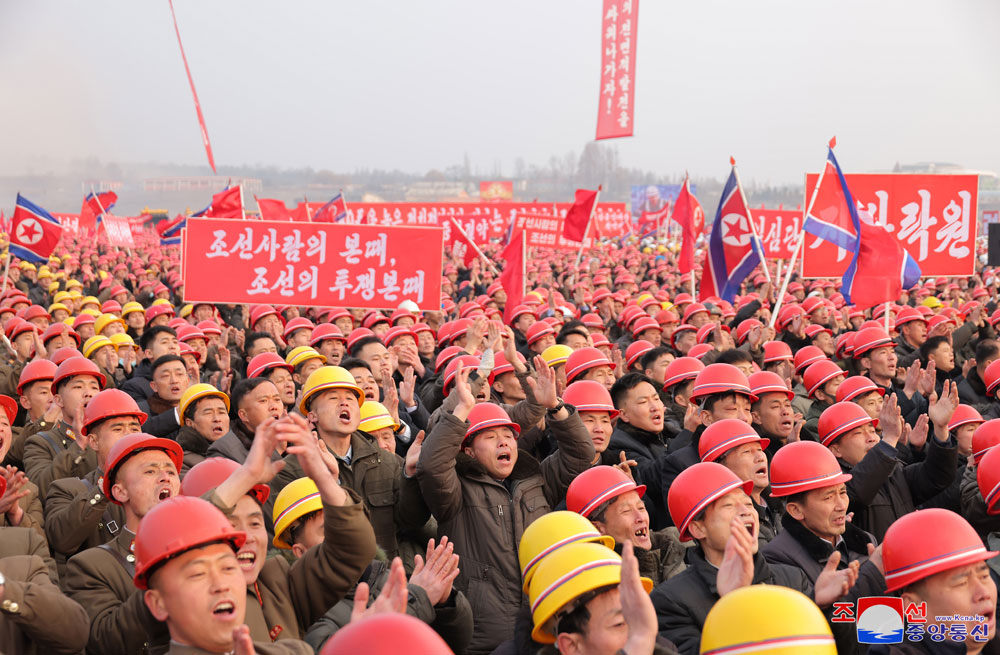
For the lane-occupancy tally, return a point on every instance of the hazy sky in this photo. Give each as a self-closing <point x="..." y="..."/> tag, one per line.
<point x="415" y="85"/>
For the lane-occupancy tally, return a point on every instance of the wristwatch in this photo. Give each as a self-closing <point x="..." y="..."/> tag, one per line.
<point x="555" y="410"/>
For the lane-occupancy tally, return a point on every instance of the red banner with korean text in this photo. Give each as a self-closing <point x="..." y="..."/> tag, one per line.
<point x="778" y="230"/>
<point x="118" y="230"/>
<point x="70" y="223"/>
<point x="617" y="99"/>
<point x="611" y="219"/>
<point x="311" y="264"/>
<point x="544" y="231"/>
<point x="932" y="216"/>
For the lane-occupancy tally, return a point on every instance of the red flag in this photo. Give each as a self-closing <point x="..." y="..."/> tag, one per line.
<point x="194" y="94"/>
<point x="462" y="245"/>
<point x="301" y="213"/>
<point x="690" y="216"/>
<point x="163" y="226"/>
<point x="227" y="204"/>
<point x="88" y="219"/>
<point x="272" y="210"/>
<point x="332" y="212"/>
<point x="101" y="203"/>
<point x="512" y="277"/>
<point x="578" y="216"/>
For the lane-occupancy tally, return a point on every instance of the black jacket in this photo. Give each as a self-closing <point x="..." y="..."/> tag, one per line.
<point x="647" y="449"/>
<point x="138" y="385"/>
<point x="683" y="601"/>
<point x="972" y="391"/>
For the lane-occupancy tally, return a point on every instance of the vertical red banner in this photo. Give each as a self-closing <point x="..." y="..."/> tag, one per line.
<point x="617" y="99"/>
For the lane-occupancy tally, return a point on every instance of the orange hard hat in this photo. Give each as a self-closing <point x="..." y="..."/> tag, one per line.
<point x="722" y="435"/>
<point x="697" y="487"/>
<point x="109" y="403"/>
<point x="597" y="485"/>
<point x="802" y="466"/>
<point x="840" y="418"/>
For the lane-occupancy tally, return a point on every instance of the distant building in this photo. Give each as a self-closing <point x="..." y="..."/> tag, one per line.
<point x="199" y="183"/>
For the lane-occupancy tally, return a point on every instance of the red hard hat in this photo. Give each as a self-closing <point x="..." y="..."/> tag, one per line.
<point x="720" y="378"/>
<point x="386" y="634"/>
<point x="818" y="374"/>
<point x="177" y="525"/>
<point x="596" y="486"/>
<point x="57" y="329"/>
<point x="298" y="323"/>
<point x="964" y="414"/>
<point x="679" y="330"/>
<point x="468" y="361"/>
<point x="584" y="359"/>
<point x="692" y="309"/>
<point x="706" y="330"/>
<point x="373" y="318"/>
<point x="992" y="378"/>
<point x="763" y="382"/>
<point x="589" y="396"/>
<point x="151" y="313"/>
<point x="459" y="328"/>
<point x="487" y="415"/>
<point x="699" y="350"/>
<point x="811" y="304"/>
<point x="722" y="435"/>
<point x="776" y="351"/>
<point x="35" y="311"/>
<point x="926" y="542"/>
<point x="907" y="314"/>
<point x="787" y="315"/>
<point x="696" y="488"/>
<point x="538" y="330"/>
<point x="803" y="466"/>
<point x="855" y="386"/>
<point x="743" y="329"/>
<point x="840" y="418"/>
<point x="519" y="311"/>
<point x="187" y="332"/>
<point x="10" y="409"/>
<point x="988" y="477"/>
<point x="806" y="356"/>
<point x="75" y="366"/>
<point x="130" y="445"/>
<point x="35" y="370"/>
<point x="870" y="338"/>
<point x="984" y="438"/>
<point x="681" y="370"/>
<point x="642" y="324"/>
<point x="446" y="356"/>
<point x="394" y="333"/>
<point x="264" y="362"/>
<point x="210" y="473"/>
<point x="501" y="366"/>
<point x="258" y="312"/>
<point x="109" y="403"/>
<point x="325" y="331"/>
<point x="357" y="334"/>
<point x="663" y="317"/>
<point x="635" y="351"/>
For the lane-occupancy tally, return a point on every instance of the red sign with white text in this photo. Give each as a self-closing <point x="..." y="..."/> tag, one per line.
<point x="932" y="216"/>
<point x="615" y="106"/>
<point x="491" y="219"/>
<point x="118" y="230"/>
<point x="778" y="230"/>
<point x="70" y="223"/>
<point x="311" y="264"/>
<point x="544" y="231"/>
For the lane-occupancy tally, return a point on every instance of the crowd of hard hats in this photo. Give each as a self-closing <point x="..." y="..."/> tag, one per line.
<point x="615" y="467"/>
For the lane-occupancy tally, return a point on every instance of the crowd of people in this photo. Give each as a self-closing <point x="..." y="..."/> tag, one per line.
<point x="608" y="465"/>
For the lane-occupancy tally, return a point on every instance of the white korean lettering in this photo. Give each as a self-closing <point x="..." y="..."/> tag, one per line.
<point x="342" y="282"/>
<point x="244" y="244"/>
<point x="218" y="247"/>
<point x="415" y="285"/>
<point x="377" y="247"/>
<point x="316" y="245"/>
<point x="307" y="280"/>
<point x="259" y="284"/>
<point x="352" y="252"/>
<point x="268" y="244"/>
<point x="291" y="246"/>
<point x="917" y="222"/>
<point x="954" y="235"/>
<point x="389" y="290"/>
<point x="366" y="284"/>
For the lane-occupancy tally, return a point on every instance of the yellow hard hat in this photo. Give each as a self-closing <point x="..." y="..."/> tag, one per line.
<point x="556" y="355"/>
<point x="766" y="619"/>
<point x="58" y="305"/>
<point x="550" y="532"/>
<point x="53" y="285"/>
<point x="186" y="311"/>
<point x="666" y="304"/>
<point x="44" y="269"/>
<point x="298" y="498"/>
<point x="91" y="300"/>
<point x="162" y="301"/>
<point x="374" y="416"/>
<point x="195" y="393"/>
<point x="104" y="320"/>
<point x="93" y="312"/>
<point x="932" y="302"/>
<point x="61" y="296"/>
<point x="301" y="354"/>
<point x="69" y="320"/>
<point x="102" y="274"/>
<point x="131" y="307"/>
<point x="95" y="342"/>
<point x="565" y="575"/>
<point x="329" y="377"/>
<point x="122" y="339"/>
<point x="27" y="266"/>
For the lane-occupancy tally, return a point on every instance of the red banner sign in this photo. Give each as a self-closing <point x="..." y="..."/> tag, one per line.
<point x="932" y="216"/>
<point x="778" y="230"/>
<point x="617" y="100"/>
<point x="313" y="265"/>
<point x="70" y="223"/>
<point x="493" y="191"/>
<point x="543" y="231"/>
<point x="118" y="230"/>
<point x="491" y="219"/>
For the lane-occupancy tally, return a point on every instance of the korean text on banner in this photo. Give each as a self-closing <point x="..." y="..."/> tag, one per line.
<point x="70" y="222"/>
<point x="546" y="231"/>
<point x="932" y="216"/>
<point x="617" y="98"/>
<point x="778" y="230"/>
<point x="314" y="265"/>
<point x="118" y="230"/>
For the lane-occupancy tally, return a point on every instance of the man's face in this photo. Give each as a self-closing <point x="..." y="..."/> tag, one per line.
<point x="306" y="369"/>
<point x="23" y="345"/>
<point x="335" y="412"/>
<point x="698" y="319"/>
<point x="774" y="414"/>
<point x="820" y="315"/>
<point x="300" y="337"/>
<point x="263" y="401"/>
<point x="345" y="323"/>
<point x="380" y="328"/>
<point x="135" y="320"/>
<point x="730" y="406"/>
<point x="170" y="381"/>
<point x="627" y="520"/>
<point x="603" y="374"/>
<point x="824" y="341"/>
<point x="366" y="381"/>
<point x="261" y="346"/>
<point x="967" y="591"/>
<point x="823" y="511"/>
<point x="605" y="633"/>
<point x="203" y="312"/>
<point x="107" y="433"/>
<point x="881" y="364"/>
<point x="60" y="341"/>
<point x="576" y="341"/>
<point x="385" y="438"/>
<point x="915" y="332"/>
<point x="36" y="397"/>
<point x="508" y="386"/>
<point x="853" y="446"/>
<point x="829" y="388"/>
<point x="269" y="324"/>
<point x="332" y="349"/>
<point x="406" y="342"/>
<point x="282" y="380"/>
<point x="543" y="343"/>
<point x="201" y="594"/>
<point x="427" y="343"/>
<point x="198" y="345"/>
<point x="523" y="322"/>
<point x="376" y="356"/>
<point x="713" y="531"/>
<point x="144" y="480"/>
<point x="163" y="343"/>
<point x="963" y="435"/>
<point x="658" y="369"/>
<point x="871" y="402"/>
<point x="6" y="436"/>
<point x="600" y="427"/>
<point x="748" y="462"/>
<point x="944" y="357"/>
<point x="652" y="335"/>
<point x="76" y="392"/>
<point x="249" y="517"/>
<point x="162" y="319"/>
<point x="643" y="408"/>
<point x="496" y="450"/>
<point x="211" y="418"/>
<point x="684" y="341"/>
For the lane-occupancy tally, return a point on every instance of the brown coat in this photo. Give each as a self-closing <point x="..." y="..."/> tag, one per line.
<point x="15" y="456"/>
<point x="25" y="541"/>
<point x="35" y="617"/>
<point x="55" y="454"/>
<point x="485" y="518"/>
<point x="78" y="516"/>
<point x="100" y="579"/>
<point x="32" y="506"/>
<point x="288" y="598"/>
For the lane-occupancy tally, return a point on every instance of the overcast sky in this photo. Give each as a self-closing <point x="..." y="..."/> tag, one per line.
<point x="415" y="85"/>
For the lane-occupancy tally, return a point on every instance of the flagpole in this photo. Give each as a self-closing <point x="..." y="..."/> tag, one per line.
<point x="474" y="246"/>
<point x="101" y="207"/>
<point x="887" y="316"/>
<point x="243" y="209"/>
<point x="6" y="268"/>
<point x="305" y="199"/>
<point x="524" y="262"/>
<point x="753" y="228"/>
<point x="586" y="231"/>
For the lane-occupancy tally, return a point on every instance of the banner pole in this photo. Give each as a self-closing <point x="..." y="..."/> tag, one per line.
<point x="524" y="262"/>
<point x="886" y="317"/>
<point x="479" y="252"/>
<point x="788" y="277"/>
<point x="753" y="228"/>
<point x="6" y="270"/>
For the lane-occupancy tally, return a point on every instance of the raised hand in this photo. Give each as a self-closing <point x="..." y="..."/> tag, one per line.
<point x="692" y="417"/>
<point x="413" y="454"/>
<point x="736" y="570"/>
<point x="917" y="436"/>
<point x="16" y="490"/>
<point x="625" y="465"/>
<point x="545" y="388"/>
<point x="940" y="410"/>
<point x="637" y="608"/>
<point x="392" y="598"/>
<point x="466" y="401"/>
<point x="928" y="377"/>
<point x="242" y="642"/>
<point x="406" y="389"/>
<point x="832" y="583"/>
<point x="891" y="420"/>
<point x="436" y="574"/>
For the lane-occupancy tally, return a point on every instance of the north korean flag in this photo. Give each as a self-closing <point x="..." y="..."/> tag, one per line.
<point x="34" y="233"/>
<point x="733" y="249"/>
